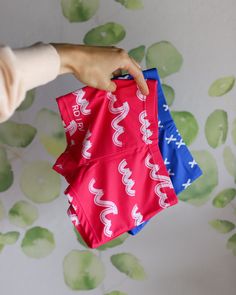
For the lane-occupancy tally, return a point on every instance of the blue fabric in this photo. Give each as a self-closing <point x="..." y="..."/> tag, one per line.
<point x="182" y="168"/>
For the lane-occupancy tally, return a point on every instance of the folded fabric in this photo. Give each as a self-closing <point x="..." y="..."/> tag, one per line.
<point x="182" y="168"/>
<point x="117" y="177"/>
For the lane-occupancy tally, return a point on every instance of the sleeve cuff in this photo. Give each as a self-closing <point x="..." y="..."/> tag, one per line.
<point x="38" y="64"/>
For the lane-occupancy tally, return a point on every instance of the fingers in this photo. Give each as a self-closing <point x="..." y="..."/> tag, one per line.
<point x="111" y="87"/>
<point x="137" y="64"/>
<point x="136" y="72"/>
<point x="117" y="73"/>
<point x="106" y="85"/>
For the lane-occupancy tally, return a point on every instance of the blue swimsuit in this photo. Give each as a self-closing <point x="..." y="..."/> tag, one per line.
<point x="182" y="168"/>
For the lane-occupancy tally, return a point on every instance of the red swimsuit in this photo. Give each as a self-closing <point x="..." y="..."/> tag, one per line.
<point x="117" y="177"/>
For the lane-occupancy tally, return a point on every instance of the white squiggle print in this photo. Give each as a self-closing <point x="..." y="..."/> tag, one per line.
<point x="123" y="112"/>
<point x="137" y="216"/>
<point x="144" y="127"/>
<point x="164" y="181"/>
<point x="140" y="95"/>
<point x="86" y="146"/>
<point x="82" y="102"/>
<point x="70" y="199"/>
<point x="111" y="207"/>
<point x="71" y="128"/>
<point x="127" y="181"/>
<point x="74" y="218"/>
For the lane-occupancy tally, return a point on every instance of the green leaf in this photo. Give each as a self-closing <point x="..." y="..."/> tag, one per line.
<point x="50" y="131"/>
<point x="79" y="238"/>
<point x="137" y="53"/>
<point x="233" y="133"/>
<point x="187" y="125"/>
<point x="169" y="94"/>
<point x="9" y="238"/>
<point x="28" y="101"/>
<point x="116" y="293"/>
<point x="230" y="161"/>
<point x="231" y="244"/>
<point x="38" y="242"/>
<point x="127" y="263"/>
<point x="107" y="34"/>
<point x="216" y="128"/>
<point x="221" y="86"/>
<point x="200" y="190"/>
<point x="6" y="173"/>
<point x="224" y="198"/>
<point x="23" y="214"/>
<point x="131" y="4"/>
<point x="16" y="134"/>
<point x="222" y="226"/>
<point x="39" y="182"/>
<point x="83" y="270"/>
<point x="79" y="10"/>
<point x="165" y="57"/>
<point x="1" y="247"/>
<point x="114" y="243"/>
<point x="2" y="211"/>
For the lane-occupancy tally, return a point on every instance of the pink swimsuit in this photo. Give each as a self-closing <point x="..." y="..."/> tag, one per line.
<point x="117" y="177"/>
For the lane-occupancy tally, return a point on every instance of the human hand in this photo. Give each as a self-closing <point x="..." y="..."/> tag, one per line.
<point x="96" y="65"/>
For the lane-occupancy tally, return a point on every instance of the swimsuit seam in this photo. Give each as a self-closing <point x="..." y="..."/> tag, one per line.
<point x="74" y="191"/>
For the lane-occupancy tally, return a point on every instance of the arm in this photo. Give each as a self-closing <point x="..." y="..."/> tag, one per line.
<point x="25" y="68"/>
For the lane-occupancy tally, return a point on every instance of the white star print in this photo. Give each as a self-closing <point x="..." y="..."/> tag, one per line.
<point x="177" y="131"/>
<point x="179" y="143"/>
<point x="192" y="163"/>
<point x="166" y="162"/>
<point x="170" y="173"/>
<point x="185" y="185"/>
<point x="166" y="108"/>
<point x="159" y="124"/>
<point x="171" y="138"/>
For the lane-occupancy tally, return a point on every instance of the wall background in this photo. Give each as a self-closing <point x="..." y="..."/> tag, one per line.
<point x="179" y="251"/>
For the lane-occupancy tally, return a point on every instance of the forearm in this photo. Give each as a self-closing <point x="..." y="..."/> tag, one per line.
<point x="23" y="69"/>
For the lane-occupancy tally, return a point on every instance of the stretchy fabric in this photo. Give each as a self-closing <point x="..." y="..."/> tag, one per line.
<point x="117" y="177"/>
<point x="182" y="168"/>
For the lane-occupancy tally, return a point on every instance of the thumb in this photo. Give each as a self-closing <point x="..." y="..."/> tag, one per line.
<point x="111" y="86"/>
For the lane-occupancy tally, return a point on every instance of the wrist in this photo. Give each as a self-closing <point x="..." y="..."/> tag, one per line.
<point x="65" y="52"/>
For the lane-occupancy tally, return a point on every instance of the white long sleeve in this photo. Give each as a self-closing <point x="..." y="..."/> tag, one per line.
<point x="23" y="69"/>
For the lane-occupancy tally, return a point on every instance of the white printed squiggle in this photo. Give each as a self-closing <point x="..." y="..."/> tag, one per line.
<point x="82" y="102"/>
<point x="111" y="207"/>
<point x="137" y="216"/>
<point x="164" y="181"/>
<point x="123" y="112"/>
<point x="144" y="127"/>
<point x="70" y="199"/>
<point x="140" y="95"/>
<point x="74" y="218"/>
<point x="127" y="181"/>
<point x="72" y="127"/>
<point x="86" y="146"/>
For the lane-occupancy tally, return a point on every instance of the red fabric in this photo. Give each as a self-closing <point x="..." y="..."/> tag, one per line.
<point x="117" y="177"/>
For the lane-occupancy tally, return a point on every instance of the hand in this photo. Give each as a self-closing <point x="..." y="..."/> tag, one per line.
<point x="96" y="65"/>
